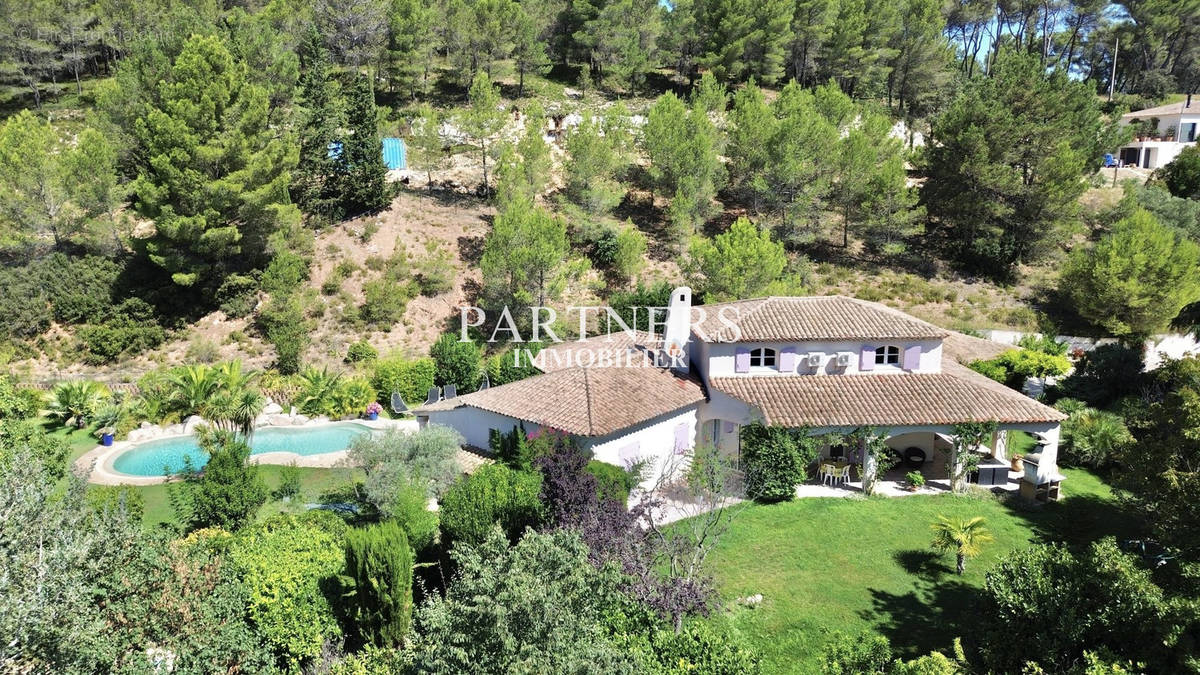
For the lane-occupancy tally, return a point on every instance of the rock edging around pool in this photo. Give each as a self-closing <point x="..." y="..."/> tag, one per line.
<point x="97" y="464"/>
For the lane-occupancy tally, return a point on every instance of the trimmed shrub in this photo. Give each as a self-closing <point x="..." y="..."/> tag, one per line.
<point x="457" y="362"/>
<point x="287" y="563"/>
<point x="495" y="494"/>
<point x="699" y="648"/>
<point x="116" y="498"/>
<point x="612" y="482"/>
<point x="379" y="563"/>
<point x="776" y="459"/>
<point x="229" y="491"/>
<point x="361" y="351"/>
<point x="289" y="481"/>
<point x="411" y="377"/>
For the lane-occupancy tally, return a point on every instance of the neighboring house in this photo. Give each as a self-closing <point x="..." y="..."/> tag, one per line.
<point x="1163" y="133"/>
<point x="829" y="364"/>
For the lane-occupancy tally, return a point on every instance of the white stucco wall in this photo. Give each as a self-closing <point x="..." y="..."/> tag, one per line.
<point x="474" y="424"/>
<point x="717" y="360"/>
<point x="652" y="441"/>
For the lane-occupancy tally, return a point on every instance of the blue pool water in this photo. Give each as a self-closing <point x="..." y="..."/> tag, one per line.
<point x="149" y="458"/>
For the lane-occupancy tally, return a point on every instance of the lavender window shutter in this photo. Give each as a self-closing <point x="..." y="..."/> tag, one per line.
<point x="741" y="360"/>
<point x="912" y="357"/>
<point x="681" y="438"/>
<point x="867" y="362"/>
<point x="787" y="359"/>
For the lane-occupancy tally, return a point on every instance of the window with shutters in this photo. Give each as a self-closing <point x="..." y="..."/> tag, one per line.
<point x="887" y="356"/>
<point x="763" y="357"/>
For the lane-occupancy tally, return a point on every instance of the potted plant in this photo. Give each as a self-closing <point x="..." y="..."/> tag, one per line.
<point x="1170" y="135"/>
<point x="106" y="435"/>
<point x="915" y="480"/>
<point x="373" y="410"/>
<point x="1016" y="464"/>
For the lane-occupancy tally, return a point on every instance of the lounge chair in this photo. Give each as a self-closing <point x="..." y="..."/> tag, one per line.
<point x="398" y="406"/>
<point x="434" y="395"/>
<point x="450" y="391"/>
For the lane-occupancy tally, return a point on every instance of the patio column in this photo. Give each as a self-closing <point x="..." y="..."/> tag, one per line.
<point x="868" y="466"/>
<point x="1048" y="467"/>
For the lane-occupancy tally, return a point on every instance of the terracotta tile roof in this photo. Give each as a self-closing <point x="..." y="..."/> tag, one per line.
<point x="830" y="317"/>
<point x="1179" y="107"/>
<point x="585" y="401"/>
<point x="957" y="394"/>
<point x="966" y="348"/>
<point x="618" y="346"/>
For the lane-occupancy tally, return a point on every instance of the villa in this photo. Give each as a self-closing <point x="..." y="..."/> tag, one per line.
<point x="828" y="364"/>
<point x="1161" y="133"/>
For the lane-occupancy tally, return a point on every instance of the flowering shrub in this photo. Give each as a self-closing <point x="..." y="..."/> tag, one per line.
<point x="373" y="408"/>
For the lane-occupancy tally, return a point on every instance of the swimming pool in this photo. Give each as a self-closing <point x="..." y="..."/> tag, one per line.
<point x="149" y="458"/>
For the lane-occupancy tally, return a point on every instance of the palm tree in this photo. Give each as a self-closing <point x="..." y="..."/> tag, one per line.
<point x="192" y="387"/>
<point x="318" y="391"/>
<point x="234" y="411"/>
<point x="965" y="537"/>
<point x="77" y="400"/>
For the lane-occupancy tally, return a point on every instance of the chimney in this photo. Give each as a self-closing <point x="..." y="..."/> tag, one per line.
<point x="1189" y="101"/>
<point x="679" y="328"/>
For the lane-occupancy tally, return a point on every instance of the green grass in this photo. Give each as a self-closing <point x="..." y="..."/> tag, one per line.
<point x="80" y="440"/>
<point x="856" y="565"/>
<point x="314" y="486"/>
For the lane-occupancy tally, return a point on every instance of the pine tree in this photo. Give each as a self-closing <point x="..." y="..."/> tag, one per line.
<point x="485" y="119"/>
<point x="534" y="152"/>
<point x="426" y="146"/>
<point x="1007" y="165"/>
<point x="684" y="148"/>
<point x="1135" y="281"/>
<point x="591" y="167"/>
<point x="529" y="45"/>
<point x="522" y="255"/>
<point x="751" y="134"/>
<point x="316" y="186"/>
<point x="35" y="194"/>
<point x="212" y="173"/>
<point x="410" y="44"/>
<point x="364" y="175"/>
<point x="740" y="263"/>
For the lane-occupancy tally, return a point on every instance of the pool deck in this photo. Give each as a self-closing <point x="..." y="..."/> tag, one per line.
<point x="97" y="463"/>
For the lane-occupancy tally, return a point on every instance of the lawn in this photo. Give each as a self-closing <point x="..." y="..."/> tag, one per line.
<point x="316" y="485"/>
<point x="858" y="565"/>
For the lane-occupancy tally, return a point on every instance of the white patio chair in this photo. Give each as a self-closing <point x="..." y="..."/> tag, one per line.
<point x="842" y="474"/>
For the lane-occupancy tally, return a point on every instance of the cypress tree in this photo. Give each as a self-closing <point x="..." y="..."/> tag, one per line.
<point x="379" y="561"/>
<point x="315" y="188"/>
<point x="365" y="185"/>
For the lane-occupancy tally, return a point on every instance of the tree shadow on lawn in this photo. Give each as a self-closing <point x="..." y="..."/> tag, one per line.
<point x="1076" y="521"/>
<point x="926" y="565"/>
<point x="927" y="618"/>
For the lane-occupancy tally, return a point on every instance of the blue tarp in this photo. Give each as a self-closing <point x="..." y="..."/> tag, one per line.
<point x="393" y="153"/>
